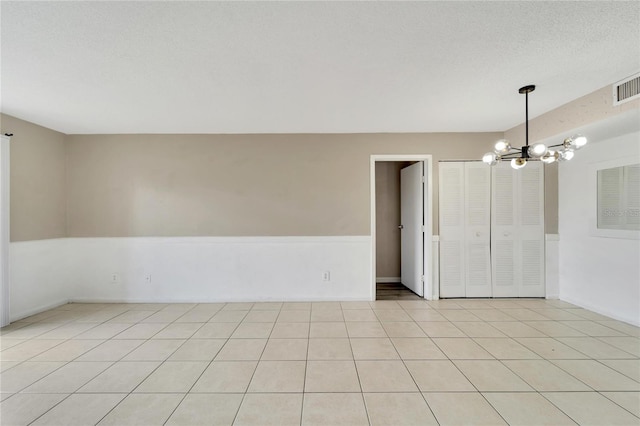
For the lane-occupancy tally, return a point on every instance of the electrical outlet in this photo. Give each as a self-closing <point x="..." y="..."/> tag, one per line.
<point x="115" y="278"/>
<point x="147" y="278"/>
<point x="326" y="276"/>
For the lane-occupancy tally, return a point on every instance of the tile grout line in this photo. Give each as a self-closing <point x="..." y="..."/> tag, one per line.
<point x="467" y="308"/>
<point x="306" y="366"/>
<point x="409" y="371"/>
<point x="148" y="375"/>
<point x="72" y="393"/>
<point x="201" y="373"/>
<point x="355" y="366"/>
<point x="246" y="391"/>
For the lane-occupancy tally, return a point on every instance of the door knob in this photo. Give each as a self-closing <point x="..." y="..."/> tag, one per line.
<point x="506" y="234"/>
<point x="477" y="234"/>
<point x="400" y="226"/>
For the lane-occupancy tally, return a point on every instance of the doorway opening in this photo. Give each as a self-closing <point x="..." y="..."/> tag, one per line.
<point x="401" y="227"/>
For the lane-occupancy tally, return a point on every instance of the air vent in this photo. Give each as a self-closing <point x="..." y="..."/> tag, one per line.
<point x="626" y="90"/>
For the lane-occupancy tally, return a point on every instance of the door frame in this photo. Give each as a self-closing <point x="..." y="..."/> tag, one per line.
<point x="430" y="292"/>
<point x="5" y="290"/>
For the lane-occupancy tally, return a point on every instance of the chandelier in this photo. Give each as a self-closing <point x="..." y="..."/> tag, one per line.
<point x="537" y="152"/>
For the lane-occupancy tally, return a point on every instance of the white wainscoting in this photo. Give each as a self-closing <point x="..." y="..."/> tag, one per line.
<point x="198" y="269"/>
<point x="552" y="266"/>
<point x="215" y="269"/>
<point x="48" y="273"/>
<point x="39" y="276"/>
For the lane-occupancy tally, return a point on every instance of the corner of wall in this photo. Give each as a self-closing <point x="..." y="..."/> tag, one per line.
<point x="66" y="184"/>
<point x="40" y="276"/>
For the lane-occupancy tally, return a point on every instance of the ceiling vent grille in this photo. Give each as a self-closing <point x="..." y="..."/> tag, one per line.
<point x="626" y="90"/>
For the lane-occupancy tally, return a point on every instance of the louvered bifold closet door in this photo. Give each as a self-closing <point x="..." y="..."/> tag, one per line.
<point x="477" y="194"/>
<point x="530" y="220"/>
<point x="517" y="230"/>
<point x="451" y="214"/>
<point x="504" y="249"/>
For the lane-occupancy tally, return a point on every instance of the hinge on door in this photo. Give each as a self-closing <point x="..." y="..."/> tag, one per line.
<point x="422" y="278"/>
<point x="423" y="230"/>
<point x="422" y="179"/>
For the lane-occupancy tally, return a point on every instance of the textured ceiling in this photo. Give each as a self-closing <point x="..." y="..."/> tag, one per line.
<point x="306" y="67"/>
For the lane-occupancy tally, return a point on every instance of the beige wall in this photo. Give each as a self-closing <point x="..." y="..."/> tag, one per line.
<point x="591" y="108"/>
<point x="237" y="185"/>
<point x="388" y="218"/>
<point x="37" y="180"/>
<point x="189" y="185"/>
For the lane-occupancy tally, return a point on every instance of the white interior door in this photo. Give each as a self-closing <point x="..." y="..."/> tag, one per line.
<point x="504" y="245"/>
<point x="452" y="259"/>
<point x="477" y="229"/>
<point x="412" y="224"/>
<point x="452" y="236"/>
<point x="517" y="240"/>
<point x="531" y="226"/>
<point x="465" y="229"/>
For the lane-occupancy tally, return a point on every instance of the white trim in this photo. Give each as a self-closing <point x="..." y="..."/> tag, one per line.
<point x="613" y="314"/>
<point x="552" y="266"/>
<point x="233" y="240"/>
<point x="216" y="300"/>
<point x="429" y="292"/>
<point x="436" y="266"/>
<point x="38" y="309"/>
<point x="5" y="227"/>
<point x="383" y="280"/>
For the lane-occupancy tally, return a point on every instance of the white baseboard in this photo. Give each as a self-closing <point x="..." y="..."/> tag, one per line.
<point x="599" y="310"/>
<point x="37" y="309"/>
<point x="383" y="280"/>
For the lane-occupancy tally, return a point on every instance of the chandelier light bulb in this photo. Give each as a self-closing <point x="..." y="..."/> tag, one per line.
<point x="574" y="142"/>
<point x="579" y="141"/>
<point x="566" y="155"/>
<point x="518" y="163"/>
<point x="490" y="158"/>
<point x="502" y="146"/>
<point x="550" y="157"/>
<point x="537" y="150"/>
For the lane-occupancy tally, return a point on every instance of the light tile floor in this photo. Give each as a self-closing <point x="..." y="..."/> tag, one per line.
<point x="525" y="361"/>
